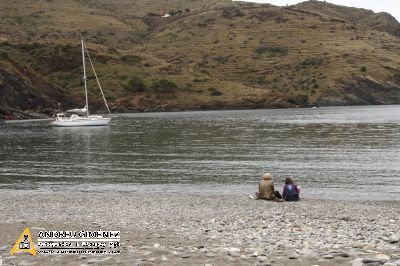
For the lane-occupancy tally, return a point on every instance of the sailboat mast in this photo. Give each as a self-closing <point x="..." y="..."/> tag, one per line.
<point x="97" y="79"/>
<point x="84" y="78"/>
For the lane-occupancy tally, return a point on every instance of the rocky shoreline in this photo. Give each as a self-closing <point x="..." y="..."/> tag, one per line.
<point x="208" y="230"/>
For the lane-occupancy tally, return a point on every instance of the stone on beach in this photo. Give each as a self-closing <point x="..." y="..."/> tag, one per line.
<point x="371" y="260"/>
<point x="394" y="238"/>
<point x="328" y="257"/>
<point x="186" y="255"/>
<point x="382" y="257"/>
<point x="293" y="257"/>
<point x="98" y="260"/>
<point x="397" y="262"/>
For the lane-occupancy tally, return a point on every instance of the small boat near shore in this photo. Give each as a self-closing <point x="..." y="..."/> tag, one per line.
<point x="80" y="117"/>
<point x="61" y="120"/>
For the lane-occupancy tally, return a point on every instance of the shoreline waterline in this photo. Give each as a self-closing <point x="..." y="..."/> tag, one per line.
<point x="197" y="190"/>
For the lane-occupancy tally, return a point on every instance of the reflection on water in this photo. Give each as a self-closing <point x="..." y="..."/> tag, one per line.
<point x="350" y="152"/>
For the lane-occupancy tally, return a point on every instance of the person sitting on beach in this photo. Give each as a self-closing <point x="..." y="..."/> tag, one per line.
<point x="291" y="191"/>
<point x="266" y="189"/>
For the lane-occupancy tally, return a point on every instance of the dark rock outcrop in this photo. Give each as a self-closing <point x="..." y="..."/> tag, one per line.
<point x="362" y="91"/>
<point x="22" y="89"/>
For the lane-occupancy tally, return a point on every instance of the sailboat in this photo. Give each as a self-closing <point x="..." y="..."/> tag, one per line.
<point x="80" y="116"/>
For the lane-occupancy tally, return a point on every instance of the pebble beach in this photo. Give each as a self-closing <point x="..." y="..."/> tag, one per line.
<point x="207" y="230"/>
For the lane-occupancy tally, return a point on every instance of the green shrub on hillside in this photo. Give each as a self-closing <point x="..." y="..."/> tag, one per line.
<point x="363" y="69"/>
<point x="151" y="14"/>
<point x="232" y="12"/>
<point x="200" y="80"/>
<point x="29" y="46"/>
<point x="140" y="35"/>
<point x="214" y="92"/>
<point x="132" y="59"/>
<point x="136" y="84"/>
<point x="281" y="19"/>
<point x="5" y="43"/>
<point x="315" y="61"/>
<point x="165" y="86"/>
<point x="3" y="55"/>
<point x="272" y="50"/>
<point x="220" y="59"/>
<point x="261" y="80"/>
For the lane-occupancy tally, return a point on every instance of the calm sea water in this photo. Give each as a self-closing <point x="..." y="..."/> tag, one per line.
<point x="341" y="152"/>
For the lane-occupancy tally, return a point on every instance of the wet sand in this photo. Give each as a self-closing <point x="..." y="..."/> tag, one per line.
<point x="213" y="230"/>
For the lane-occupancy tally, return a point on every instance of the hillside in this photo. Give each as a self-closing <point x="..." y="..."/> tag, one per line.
<point x="379" y="21"/>
<point x="207" y="55"/>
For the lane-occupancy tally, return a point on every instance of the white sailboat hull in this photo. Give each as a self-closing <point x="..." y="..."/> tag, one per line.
<point x="82" y="121"/>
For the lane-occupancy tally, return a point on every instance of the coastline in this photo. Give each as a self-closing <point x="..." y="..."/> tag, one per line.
<point x="27" y="115"/>
<point x="217" y="230"/>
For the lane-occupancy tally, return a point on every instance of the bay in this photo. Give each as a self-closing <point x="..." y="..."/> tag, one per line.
<point x="333" y="152"/>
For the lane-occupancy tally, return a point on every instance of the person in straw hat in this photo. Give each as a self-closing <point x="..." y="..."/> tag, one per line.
<point x="266" y="189"/>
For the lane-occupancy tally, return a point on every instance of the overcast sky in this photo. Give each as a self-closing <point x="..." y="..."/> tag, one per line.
<point x="390" y="6"/>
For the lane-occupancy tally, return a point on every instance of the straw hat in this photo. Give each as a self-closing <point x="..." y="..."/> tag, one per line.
<point x="267" y="176"/>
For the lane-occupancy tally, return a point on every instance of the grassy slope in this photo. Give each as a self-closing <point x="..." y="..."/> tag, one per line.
<point x="256" y="55"/>
<point x="380" y="21"/>
<point x="318" y="52"/>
